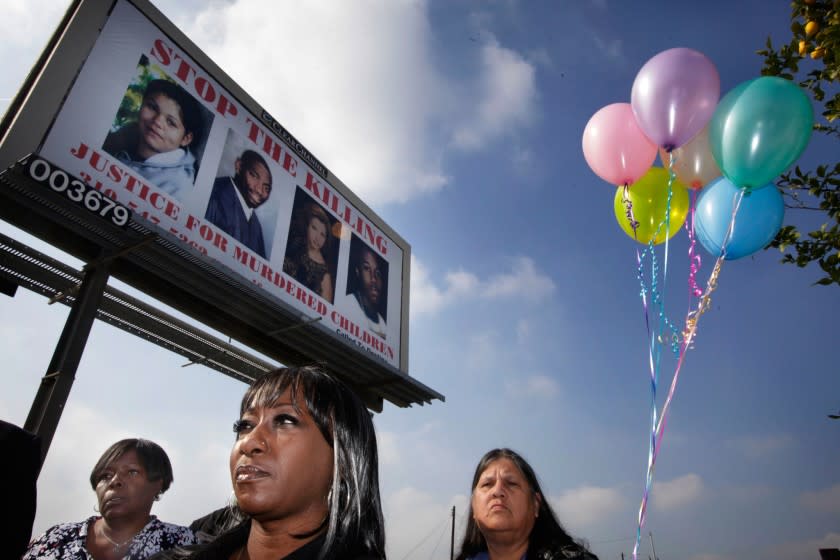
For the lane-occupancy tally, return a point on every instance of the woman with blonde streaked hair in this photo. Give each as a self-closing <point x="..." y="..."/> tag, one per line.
<point x="305" y="474"/>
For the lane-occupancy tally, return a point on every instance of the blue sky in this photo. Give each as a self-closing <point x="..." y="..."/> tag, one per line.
<point x="460" y="123"/>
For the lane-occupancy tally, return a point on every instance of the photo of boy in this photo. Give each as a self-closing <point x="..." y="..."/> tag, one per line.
<point x="235" y="198"/>
<point x="158" y="142"/>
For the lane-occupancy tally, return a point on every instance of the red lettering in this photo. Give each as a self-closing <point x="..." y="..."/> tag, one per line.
<point x="225" y="106"/>
<point x="346" y="213"/>
<point x="206" y="232"/>
<point x="161" y="52"/>
<point x="184" y="69"/>
<point x="290" y="164"/>
<point x="81" y="151"/>
<point x="157" y="200"/>
<point x="205" y="89"/>
<point x="192" y="222"/>
<point x="201" y="85"/>
<point x="172" y="210"/>
<point x="220" y="242"/>
<point x="253" y="132"/>
<point x="312" y="185"/>
<point x="115" y="173"/>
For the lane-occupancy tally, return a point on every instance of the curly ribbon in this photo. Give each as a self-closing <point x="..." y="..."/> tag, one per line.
<point x="691" y="321"/>
<point x="694" y="260"/>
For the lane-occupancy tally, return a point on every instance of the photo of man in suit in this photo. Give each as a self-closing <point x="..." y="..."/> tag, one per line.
<point x="234" y="199"/>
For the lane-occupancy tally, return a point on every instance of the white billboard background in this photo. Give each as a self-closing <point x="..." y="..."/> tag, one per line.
<point x="75" y="144"/>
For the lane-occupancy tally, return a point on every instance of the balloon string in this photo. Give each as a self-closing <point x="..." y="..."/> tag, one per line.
<point x="691" y="322"/>
<point x="634" y="224"/>
<point x="654" y="350"/>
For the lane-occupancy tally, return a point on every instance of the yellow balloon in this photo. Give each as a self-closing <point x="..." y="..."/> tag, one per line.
<point x="648" y="201"/>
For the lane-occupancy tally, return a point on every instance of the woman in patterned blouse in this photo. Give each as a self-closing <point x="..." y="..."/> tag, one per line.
<point x="129" y="477"/>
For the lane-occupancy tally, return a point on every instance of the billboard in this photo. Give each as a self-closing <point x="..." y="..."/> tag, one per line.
<point x="154" y="126"/>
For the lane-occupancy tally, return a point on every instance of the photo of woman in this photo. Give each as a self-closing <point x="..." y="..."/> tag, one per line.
<point x="312" y="250"/>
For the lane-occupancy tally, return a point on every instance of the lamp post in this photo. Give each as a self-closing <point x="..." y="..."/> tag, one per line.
<point x="653" y="548"/>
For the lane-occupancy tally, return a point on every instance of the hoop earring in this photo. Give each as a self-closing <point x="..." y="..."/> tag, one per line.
<point x="96" y="508"/>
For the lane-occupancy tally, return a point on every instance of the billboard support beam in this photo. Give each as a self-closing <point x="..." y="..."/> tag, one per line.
<point x="56" y="384"/>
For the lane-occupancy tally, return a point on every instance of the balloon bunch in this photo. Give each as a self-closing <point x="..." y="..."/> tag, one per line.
<point x="728" y="151"/>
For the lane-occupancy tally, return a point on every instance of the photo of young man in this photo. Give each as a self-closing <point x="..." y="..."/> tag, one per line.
<point x="368" y="285"/>
<point x="235" y="198"/>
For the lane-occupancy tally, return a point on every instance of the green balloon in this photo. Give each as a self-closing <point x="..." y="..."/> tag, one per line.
<point x="648" y="199"/>
<point x="759" y="129"/>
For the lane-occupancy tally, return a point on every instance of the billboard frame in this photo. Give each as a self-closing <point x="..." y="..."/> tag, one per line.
<point x="26" y="125"/>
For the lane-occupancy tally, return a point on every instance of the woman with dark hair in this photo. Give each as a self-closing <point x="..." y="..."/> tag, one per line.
<point x="309" y="253"/>
<point x="305" y="473"/>
<point x="129" y="477"/>
<point x="510" y="519"/>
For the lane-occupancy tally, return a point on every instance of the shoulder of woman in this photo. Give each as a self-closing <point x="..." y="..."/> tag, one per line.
<point x="58" y="537"/>
<point x="176" y="534"/>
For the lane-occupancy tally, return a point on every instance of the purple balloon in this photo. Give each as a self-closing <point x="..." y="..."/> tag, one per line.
<point x="674" y="96"/>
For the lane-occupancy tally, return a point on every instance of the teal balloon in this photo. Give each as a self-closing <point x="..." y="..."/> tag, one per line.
<point x="757" y="221"/>
<point x="759" y="129"/>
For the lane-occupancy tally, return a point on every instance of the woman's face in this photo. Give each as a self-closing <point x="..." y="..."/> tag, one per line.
<point x="124" y="490"/>
<point x="503" y="504"/>
<point x="281" y="466"/>
<point x="316" y="234"/>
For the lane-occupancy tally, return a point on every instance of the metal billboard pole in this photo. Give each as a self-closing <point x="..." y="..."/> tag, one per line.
<point x="56" y="384"/>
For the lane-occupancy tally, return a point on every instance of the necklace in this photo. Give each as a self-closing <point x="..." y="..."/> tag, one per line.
<point x="117" y="546"/>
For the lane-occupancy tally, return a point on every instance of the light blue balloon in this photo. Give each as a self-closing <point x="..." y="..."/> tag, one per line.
<point x="759" y="129"/>
<point x="759" y="218"/>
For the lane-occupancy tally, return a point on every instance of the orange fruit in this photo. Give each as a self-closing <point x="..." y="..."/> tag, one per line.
<point x="819" y="52"/>
<point x="811" y="28"/>
<point x="803" y="48"/>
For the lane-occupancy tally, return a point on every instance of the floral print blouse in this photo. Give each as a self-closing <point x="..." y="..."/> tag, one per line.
<point x="66" y="541"/>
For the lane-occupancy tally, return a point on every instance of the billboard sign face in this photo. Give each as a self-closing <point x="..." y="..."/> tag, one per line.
<point x="147" y="127"/>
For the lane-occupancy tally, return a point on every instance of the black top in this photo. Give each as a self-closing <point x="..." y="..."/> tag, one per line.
<point x="227" y="543"/>
<point x="21" y="452"/>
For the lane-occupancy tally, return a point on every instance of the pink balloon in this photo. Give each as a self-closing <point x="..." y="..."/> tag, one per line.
<point x="615" y="147"/>
<point x="674" y="95"/>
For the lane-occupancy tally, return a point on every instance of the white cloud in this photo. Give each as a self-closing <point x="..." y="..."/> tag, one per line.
<point x="506" y="97"/>
<point x="523" y="282"/>
<point x="357" y="83"/>
<point x="826" y="500"/>
<point x="676" y="493"/>
<point x="609" y="48"/>
<point x="386" y="444"/>
<point x="756" y="447"/>
<point x="583" y="506"/>
<point x="534" y="386"/>
<point x="483" y="352"/>
<point x="20" y="30"/>
<point x="353" y="81"/>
